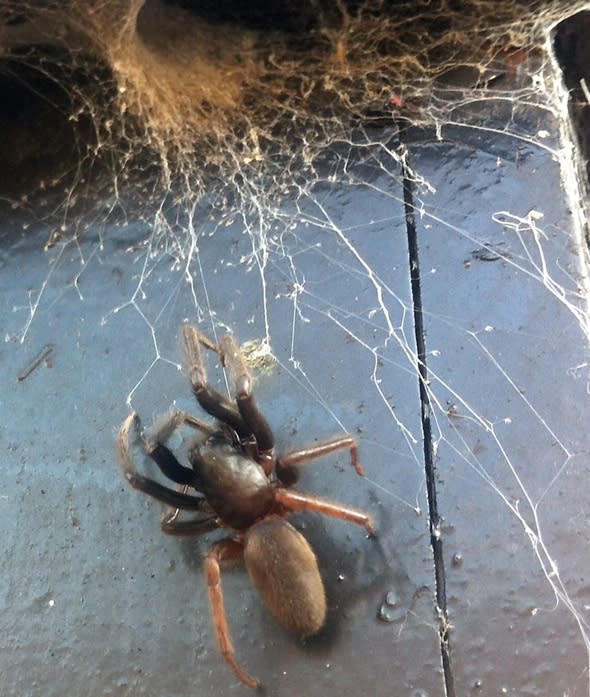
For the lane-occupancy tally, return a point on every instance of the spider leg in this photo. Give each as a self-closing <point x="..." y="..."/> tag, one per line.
<point x="295" y="501"/>
<point x="288" y="465"/>
<point x="138" y="481"/>
<point x="210" y="399"/>
<point x="164" y="457"/>
<point x="171" y="525"/>
<point x="188" y="528"/>
<point x="231" y="356"/>
<point x="170" y="423"/>
<point x="226" y="549"/>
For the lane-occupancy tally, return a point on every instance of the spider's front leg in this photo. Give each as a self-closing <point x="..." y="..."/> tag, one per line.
<point x="167" y="463"/>
<point x="231" y="356"/>
<point x="210" y="400"/>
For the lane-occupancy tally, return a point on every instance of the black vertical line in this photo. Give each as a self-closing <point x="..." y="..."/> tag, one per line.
<point x="425" y="405"/>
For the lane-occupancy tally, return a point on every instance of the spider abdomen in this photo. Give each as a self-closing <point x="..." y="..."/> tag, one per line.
<point x="284" y="569"/>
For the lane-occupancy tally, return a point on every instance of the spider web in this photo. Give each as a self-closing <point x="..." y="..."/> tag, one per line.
<point x="220" y="166"/>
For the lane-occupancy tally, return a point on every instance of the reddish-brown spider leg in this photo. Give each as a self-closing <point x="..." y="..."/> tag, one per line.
<point x="288" y="464"/>
<point x="295" y="501"/>
<point x="226" y="549"/>
<point x="231" y="356"/>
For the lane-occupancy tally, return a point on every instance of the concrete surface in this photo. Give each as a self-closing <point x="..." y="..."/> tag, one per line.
<point x="97" y="601"/>
<point x="509" y="363"/>
<point x="93" y="590"/>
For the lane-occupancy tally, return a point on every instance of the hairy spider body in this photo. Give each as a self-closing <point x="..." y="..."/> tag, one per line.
<point x="242" y="485"/>
<point x="290" y="583"/>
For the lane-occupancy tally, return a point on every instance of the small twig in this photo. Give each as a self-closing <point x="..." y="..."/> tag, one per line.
<point x="43" y="354"/>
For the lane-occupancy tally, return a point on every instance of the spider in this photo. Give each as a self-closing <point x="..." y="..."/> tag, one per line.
<point x="243" y="486"/>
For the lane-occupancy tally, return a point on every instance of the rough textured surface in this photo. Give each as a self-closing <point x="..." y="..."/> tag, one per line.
<point x="512" y="446"/>
<point x="108" y="604"/>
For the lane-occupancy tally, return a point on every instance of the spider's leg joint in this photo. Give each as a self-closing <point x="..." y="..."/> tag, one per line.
<point x="267" y="460"/>
<point x="243" y="386"/>
<point x="133" y="478"/>
<point x="370" y="528"/>
<point x="198" y="379"/>
<point x="151" y="444"/>
<point x="131" y="422"/>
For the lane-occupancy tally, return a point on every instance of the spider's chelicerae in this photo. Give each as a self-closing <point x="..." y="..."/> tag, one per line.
<point x="243" y="486"/>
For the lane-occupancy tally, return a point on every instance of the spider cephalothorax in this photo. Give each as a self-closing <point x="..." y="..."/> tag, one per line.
<point x="242" y="485"/>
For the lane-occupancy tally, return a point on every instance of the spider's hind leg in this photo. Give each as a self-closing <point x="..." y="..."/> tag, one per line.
<point x="224" y="550"/>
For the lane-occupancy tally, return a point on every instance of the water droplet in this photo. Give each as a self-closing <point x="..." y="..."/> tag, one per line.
<point x="418" y="693"/>
<point x="478" y="684"/>
<point x="391" y="599"/>
<point x="391" y="610"/>
<point x="457" y="560"/>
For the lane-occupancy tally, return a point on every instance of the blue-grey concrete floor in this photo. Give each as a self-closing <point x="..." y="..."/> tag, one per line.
<point x="97" y="601"/>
